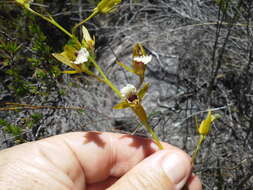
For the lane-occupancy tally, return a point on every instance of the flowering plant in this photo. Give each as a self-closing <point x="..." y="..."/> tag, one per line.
<point x="79" y="54"/>
<point x="203" y="130"/>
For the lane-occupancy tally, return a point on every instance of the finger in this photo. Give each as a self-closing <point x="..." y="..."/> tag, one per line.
<point x="164" y="170"/>
<point x="107" y="154"/>
<point x="75" y="159"/>
<point x="194" y="183"/>
<point x="102" y="185"/>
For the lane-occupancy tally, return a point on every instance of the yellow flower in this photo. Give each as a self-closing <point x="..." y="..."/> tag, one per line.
<point x="203" y="131"/>
<point x="87" y="41"/>
<point x="139" y="64"/>
<point x="132" y="99"/>
<point x="139" y="61"/>
<point x="75" y="58"/>
<point x="25" y="3"/>
<point x="205" y="125"/>
<point x="106" y="6"/>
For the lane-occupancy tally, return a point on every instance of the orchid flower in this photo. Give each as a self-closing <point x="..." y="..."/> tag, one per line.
<point x="74" y="58"/>
<point x="76" y="55"/>
<point x="206" y="124"/>
<point x="203" y="131"/>
<point x="132" y="99"/>
<point x="106" y="6"/>
<point x="140" y="59"/>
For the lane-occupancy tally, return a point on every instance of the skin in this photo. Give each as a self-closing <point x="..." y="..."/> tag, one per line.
<point x="92" y="161"/>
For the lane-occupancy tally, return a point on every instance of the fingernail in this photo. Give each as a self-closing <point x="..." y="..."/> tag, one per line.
<point x="175" y="166"/>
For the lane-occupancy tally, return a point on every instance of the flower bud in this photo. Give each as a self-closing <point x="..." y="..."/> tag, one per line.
<point x="106" y="6"/>
<point x="25" y="3"/>
<point x="206" y="124"/>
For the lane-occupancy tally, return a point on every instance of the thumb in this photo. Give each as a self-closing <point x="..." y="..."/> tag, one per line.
<point x="163" y="170"/>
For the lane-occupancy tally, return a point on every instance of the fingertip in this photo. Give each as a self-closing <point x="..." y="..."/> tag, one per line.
<point x="177" y="166"/>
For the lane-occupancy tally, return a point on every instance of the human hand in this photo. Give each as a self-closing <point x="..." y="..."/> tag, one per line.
<point x="95" y="161"/>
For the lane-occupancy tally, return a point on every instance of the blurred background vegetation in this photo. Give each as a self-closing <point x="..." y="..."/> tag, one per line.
<point x="202" y="58"/>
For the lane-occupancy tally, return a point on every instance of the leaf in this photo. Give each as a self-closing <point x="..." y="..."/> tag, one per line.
<point x="121" y="105"/>
<point x="143" y="91"/>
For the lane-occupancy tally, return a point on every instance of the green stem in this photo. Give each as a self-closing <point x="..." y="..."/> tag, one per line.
<point x="85" y="20"/>
<point x="106" y="80"/>
<point x="198" y="146"/>
<point x="154" y="136"/>
<point x="51" y="20"/>
<point x="141" y="80"/>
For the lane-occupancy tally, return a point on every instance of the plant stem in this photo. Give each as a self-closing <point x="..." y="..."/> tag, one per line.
<point x="196" y="150"/>
<point x="85" y="20"/>
<point x="154" y="136"/>
<point x="106" y="80"/>
<point x="52" y="21"/>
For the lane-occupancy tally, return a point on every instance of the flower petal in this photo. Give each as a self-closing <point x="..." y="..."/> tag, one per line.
<point x="70" y="52"/>
<point x="143" y="59"/>
<point x="122" y="105"/>
<point x="128" y="90"/>
<point x="143" y="91"/>
<point x="82" y="56"/>
<point x="86" y="34"/>
<point x="72" y="72"/>
<point x="106" y="6"/>
<point x="206" y="124"/>
<point x="63" y="58"/>
<point x="138" y="50"/>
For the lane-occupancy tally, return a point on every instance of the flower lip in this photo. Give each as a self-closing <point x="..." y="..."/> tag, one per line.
<point x="82" y="56"/>
<point x="129" y="92"/>
<point x="132" y="98"/>
<point x="143" y="59"/>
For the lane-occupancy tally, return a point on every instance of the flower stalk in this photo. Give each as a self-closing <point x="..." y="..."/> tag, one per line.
<point x="203" y="130"/>
<point x="132" y="99"/>
<point x="94" y="13"/>
<point x="52" y="21"/>
<point x="106" y="80"/>
<point x="103" y="7"/>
